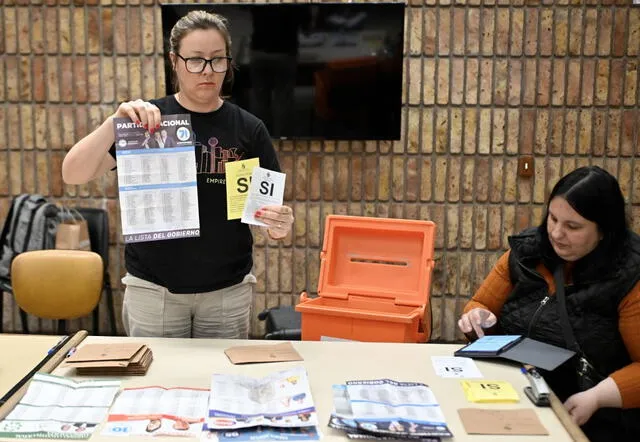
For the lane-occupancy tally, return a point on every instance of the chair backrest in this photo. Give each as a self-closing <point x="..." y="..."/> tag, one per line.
<point x="98" y="224"/>
<point x="57" y="284"/>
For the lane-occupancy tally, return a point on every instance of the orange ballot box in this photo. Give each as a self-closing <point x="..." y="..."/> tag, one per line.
<point x="375" y="279"/>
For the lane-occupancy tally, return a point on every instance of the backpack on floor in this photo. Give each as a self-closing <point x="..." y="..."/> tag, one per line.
<point x="30" y="225"/>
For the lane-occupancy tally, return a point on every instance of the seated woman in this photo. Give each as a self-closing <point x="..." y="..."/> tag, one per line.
<point x="584" y="247"/>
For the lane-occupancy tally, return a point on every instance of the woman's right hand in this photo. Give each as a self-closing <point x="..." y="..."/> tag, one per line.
<point x="476" y="320"/>
<point x="140" y="112"/>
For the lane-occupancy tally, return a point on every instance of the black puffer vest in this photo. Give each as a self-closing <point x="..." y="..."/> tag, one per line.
<point x="592" y="307"/>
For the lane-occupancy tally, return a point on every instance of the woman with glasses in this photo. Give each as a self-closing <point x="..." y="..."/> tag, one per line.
<point x="192" y="287"/>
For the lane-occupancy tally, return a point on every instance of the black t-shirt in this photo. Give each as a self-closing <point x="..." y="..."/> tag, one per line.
<point x="222" y="255"/>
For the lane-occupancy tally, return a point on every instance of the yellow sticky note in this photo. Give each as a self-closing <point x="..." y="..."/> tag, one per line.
<point x="238" y="178"/>
<point x="489" y="391"/>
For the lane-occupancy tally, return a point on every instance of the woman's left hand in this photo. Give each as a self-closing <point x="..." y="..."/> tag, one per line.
<point x="279" y="220"/>
<point x="581" y="406"/>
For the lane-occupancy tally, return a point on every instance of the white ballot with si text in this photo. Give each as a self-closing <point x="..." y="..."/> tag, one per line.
<point x="266" y="189"/>
<point x="455" y="367"/>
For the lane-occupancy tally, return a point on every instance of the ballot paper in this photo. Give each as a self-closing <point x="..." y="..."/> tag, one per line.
<point x="282" y="399"/>
<point x="157" y="179"/>
<point x="489" y="391"/>
<point x="158" y="411"/>
<point x="391" y="408"/>
<point x="455" y="367"/>
<point x="342" y="419"/>
<point x="261" y="434"/>
<point x="55" y="407"/>
<point x="237" y="178"/>
<point x="266" y="189"/>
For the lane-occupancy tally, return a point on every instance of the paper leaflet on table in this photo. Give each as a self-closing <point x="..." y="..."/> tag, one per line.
<point x="386" y="406"/>
<point x="260" y="434"/>
<point x="157" y="179"/>
<point x="55" y="407"/>
<point x="387" y="411"/>
<point x="266" y="189"/>
<point x="342" y="419"/>
<point x="282" y="399"/>
<point x="158" y="411"/>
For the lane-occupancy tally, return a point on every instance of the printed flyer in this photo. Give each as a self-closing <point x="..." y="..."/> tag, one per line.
<point x="157" y="179"/>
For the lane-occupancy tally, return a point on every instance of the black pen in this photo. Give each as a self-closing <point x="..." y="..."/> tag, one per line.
<point x="52" y="351"/>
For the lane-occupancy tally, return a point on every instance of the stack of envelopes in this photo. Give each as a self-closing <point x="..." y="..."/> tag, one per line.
<point x="111" y="359"/>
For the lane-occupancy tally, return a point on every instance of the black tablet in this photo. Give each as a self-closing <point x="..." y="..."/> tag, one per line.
<point x="517" y="348"/>
<point x="489" y="346"/>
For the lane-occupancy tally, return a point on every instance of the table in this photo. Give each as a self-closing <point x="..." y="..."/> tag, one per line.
<point x="20" y="353"/>
<point x="191" y="362"/>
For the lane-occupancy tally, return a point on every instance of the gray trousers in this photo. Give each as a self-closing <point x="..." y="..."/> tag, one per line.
<point x="150" y="310"/>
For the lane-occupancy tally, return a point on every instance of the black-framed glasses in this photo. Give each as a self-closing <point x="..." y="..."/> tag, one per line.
<point x="196" y="65"/>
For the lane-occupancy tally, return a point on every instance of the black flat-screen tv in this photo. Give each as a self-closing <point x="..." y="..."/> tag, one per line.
<point x="328" y="71"/>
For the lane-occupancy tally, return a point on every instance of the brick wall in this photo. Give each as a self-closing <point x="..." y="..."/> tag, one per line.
<point x="485" y="82"/>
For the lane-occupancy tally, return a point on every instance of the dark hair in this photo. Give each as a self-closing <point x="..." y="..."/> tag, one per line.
<point x="595" y="194"/>
<point x="203" y="20"/>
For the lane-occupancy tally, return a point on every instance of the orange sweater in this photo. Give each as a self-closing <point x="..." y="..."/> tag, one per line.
<point x="495" y="289"/>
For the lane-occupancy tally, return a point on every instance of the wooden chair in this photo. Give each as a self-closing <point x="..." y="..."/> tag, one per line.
<point x="57" y="284"/>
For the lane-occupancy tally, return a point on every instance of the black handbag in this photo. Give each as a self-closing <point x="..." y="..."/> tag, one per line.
<point x="587" y="375"/>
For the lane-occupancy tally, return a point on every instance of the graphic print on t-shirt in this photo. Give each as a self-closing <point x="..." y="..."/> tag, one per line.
<point x="211" y="159"/>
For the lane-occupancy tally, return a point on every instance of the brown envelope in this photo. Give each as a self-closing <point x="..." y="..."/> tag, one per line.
<point x="106" y="355"/>
<point x="247" y="354"/>
<point x="523" y="421"/>
<point x="133" y="369"/>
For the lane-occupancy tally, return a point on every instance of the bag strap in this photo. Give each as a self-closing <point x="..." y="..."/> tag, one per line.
<point x="34" y="213"/>
<point x="567" y="330"/>
<point x="5" y="228"/>
<point x="76" y="214"/>
<point x="70" y="213"/>
<point x="18" y="203"/>
<point x="584" y="366"/>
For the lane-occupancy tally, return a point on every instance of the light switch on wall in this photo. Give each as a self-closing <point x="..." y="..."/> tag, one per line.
<point x="525" y="166"/>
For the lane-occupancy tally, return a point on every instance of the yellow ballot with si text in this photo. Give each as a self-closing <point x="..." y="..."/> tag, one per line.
<point x="482" y="391"/>
<point x="238" y="178"/>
